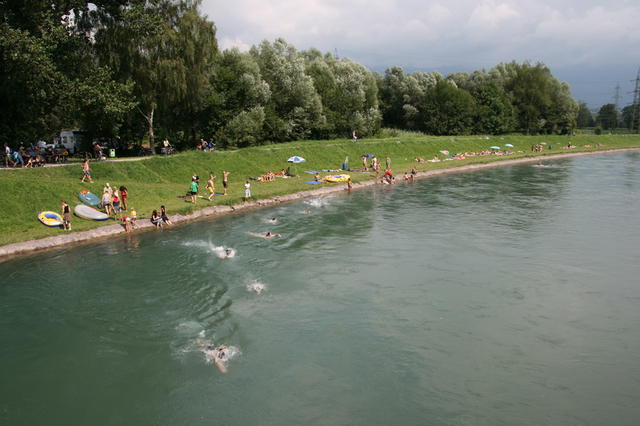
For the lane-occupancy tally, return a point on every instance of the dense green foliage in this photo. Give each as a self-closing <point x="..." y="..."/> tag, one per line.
<point x="143" y="69"/>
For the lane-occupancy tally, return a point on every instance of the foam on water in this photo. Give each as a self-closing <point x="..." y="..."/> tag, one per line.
<point x="317" y="202"/>
<point x="256" y="286"/>
<point x="221" y="252"/>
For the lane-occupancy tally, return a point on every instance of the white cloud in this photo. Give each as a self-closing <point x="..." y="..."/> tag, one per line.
<point x="463" y="34"/>
<point x="489" y="14"/>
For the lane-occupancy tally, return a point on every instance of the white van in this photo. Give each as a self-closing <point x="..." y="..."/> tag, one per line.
<point x="70" y="139"/>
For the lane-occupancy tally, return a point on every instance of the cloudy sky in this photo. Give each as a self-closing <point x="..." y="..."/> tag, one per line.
<point x="592" y="45"/>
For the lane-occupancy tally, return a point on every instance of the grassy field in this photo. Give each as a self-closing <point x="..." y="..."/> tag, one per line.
<point x="160" y="180"/>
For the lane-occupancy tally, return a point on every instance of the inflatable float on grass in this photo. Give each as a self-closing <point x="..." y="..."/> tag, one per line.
<point x="337" y="178"/>
<point x="87" y="212"/>
<point x="50" y="218"/>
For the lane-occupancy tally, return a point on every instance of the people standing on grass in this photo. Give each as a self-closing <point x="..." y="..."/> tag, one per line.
<point x="86" y="171"/>
<point x="115" y="202"/>
<point x="193" y="189"/>
<point x="7" y="156"/>
<point x="124" y="192"/>
<point x="247" y="190"/>
<point x="225" y="180"/>
<point x="211" y="186"/>
<point x="106" y="202"/>
<point x="66" y="216"/>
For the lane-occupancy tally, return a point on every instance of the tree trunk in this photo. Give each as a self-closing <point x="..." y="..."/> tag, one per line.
<point x="149" y="119"/>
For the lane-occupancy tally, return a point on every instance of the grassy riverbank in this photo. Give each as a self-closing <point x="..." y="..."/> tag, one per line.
<point x="160" y="180"/>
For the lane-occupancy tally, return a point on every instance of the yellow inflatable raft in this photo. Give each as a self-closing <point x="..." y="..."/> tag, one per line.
<point x="337" y="178"/>
<point x="50" y="218"/>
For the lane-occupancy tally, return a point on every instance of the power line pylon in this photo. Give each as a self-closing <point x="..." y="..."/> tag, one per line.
<point x="616" y="96"/>
<point x="635" y="124"/>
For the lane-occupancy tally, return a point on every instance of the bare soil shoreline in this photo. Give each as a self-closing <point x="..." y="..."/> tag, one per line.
<point x="27" y="247"/>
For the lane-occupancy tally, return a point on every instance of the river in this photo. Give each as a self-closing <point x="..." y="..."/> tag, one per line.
<point x="507" y="296"/>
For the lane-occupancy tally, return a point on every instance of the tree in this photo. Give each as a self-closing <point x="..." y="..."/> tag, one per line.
<point x="607" y="117"/>
<point x="294" y="110"/>
<point x="531" y="93"/>
<point x="494" y="113"/>
<point x="585" y="117"/>
<point x="349" y="96"/>
<point x="165" y="47"/>
<point x="627" y="116"/>
<point x="446" y="110"/>
<point x="48" y="67"/>
<point x="401" y="94"/>
<point x="237" y="95"/>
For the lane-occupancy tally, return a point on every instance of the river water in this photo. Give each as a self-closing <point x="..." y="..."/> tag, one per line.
<point x="497" y="297"/>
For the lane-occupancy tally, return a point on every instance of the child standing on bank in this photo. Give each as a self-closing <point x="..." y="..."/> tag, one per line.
<point x="66" y="216"/>
<point x="247" y="190"/>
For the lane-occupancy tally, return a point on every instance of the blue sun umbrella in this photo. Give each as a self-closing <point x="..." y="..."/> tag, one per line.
<point x="296" y="159"/>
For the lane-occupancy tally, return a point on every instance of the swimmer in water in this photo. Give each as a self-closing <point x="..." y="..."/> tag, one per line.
<point x="272" y="220"/>
<point x="307" y="211"/>
<point x="265" y="236"/>
<point x="228" y="252"/>
<point x="216" y="353"/>
<point x="256" y="286"/>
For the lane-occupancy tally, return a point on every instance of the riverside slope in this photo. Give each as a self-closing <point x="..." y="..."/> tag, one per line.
<point x="53" y="242"/>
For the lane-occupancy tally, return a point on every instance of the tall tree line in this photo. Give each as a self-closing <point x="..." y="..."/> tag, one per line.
<point x="149" y="69"/>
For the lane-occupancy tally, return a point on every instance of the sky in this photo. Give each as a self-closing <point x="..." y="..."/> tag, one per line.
<point x="592" y="45"/>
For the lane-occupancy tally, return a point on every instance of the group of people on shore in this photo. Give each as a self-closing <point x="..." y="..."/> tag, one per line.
<point x="33" y="156"/>
<point x="194" y="186"/>
<point x="114" y="199"/>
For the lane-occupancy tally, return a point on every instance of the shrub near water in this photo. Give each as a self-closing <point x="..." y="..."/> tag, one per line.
<point x="160" y="180"/>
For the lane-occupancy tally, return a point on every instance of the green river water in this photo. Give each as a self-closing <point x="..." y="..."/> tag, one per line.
<point x="509" y="296"/>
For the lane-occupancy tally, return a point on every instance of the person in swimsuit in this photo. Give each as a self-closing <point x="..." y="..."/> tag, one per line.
<point x="163" y="216"/>
<point x="86" y="171"/>
<point x="123" y="197"/>
<point x="66" y="216"/>
<point x="225" y="180"/>
<point x="349" y="185"/>
<point x="106" y="202"/>
<point x="115" y="201"/>
<point x="156" y="219"/>
<point x="211" y="186"/>
<point x="217" y="353"/>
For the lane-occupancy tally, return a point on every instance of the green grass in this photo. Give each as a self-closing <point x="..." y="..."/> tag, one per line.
<point x="159" y="180"/>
